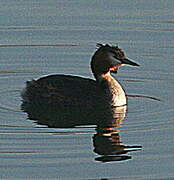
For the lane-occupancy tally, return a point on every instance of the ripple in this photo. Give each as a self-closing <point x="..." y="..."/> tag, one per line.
<point x="142" y="110"/>
<point x="36" y="45"/>
<point x="142" y="96"/>
<point x="10" y="100"/>
<point x="19" y="71"/>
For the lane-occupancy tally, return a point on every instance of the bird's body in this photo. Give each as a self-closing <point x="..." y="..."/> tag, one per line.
<point x="63" y="90"/>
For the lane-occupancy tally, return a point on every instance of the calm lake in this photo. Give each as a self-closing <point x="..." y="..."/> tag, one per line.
<point x="42" y="37"/>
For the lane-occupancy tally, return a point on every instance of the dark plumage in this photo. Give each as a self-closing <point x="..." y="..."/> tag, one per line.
<point x="64" y="90"/>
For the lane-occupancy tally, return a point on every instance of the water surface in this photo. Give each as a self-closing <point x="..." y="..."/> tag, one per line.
<point x="40" y="38"/>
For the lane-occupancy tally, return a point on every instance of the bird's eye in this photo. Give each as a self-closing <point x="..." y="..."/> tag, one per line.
<point x="117" y="58"/>
<point x="114" y="59"/>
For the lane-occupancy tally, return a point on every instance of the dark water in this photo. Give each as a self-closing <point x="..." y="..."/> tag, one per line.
<point x="45" y="37"/>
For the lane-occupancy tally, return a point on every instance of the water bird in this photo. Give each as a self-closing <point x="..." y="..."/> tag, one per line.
<point x="60" y="91"/>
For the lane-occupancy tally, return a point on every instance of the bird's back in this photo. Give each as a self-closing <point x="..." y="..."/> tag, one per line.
<point x="64" y="90"/>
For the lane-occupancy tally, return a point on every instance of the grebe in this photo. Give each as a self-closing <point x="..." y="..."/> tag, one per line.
<point x="67" y="90"/>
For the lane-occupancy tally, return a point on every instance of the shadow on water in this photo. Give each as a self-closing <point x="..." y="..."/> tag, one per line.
<point x="106" y="140"/>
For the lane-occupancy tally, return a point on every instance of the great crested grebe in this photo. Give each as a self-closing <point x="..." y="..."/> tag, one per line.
<point x="67" y="90"/>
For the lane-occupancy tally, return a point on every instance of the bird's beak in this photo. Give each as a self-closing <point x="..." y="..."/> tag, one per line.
<point x="129" y="62"/>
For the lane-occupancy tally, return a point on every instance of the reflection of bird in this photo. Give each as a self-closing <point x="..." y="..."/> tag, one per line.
<point x="107" y="142"/>
<point x="66" y="90"/>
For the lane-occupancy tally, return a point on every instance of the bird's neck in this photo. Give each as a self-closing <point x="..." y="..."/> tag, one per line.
<point x="113" y="89"/>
